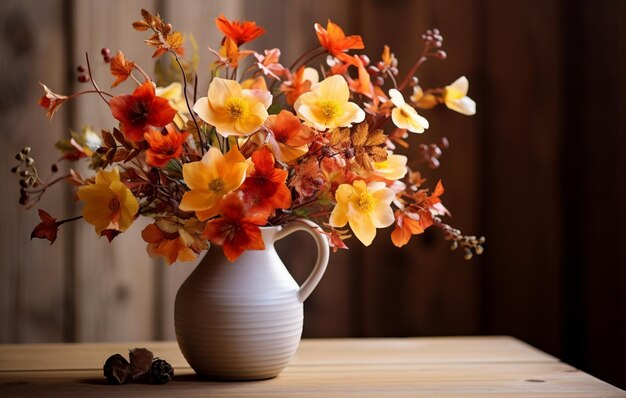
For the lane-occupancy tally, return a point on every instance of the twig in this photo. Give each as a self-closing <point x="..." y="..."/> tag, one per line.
<point x="193" y="117"/>
<point x="93" y="82"/>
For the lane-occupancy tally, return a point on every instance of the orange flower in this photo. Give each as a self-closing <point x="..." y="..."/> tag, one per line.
<point x="164" y="145"/>
<point x="287" y="136"/>
<point x="299" y="83"/>
<point x="265" y="188"/>
<point x="210" y="179"/>
<point x="141" y="111"/>
<point x="240" y="32"/>
<point x="336" y="42"/>
<point x="174" y="239"/>
<point x="237" y="229"/>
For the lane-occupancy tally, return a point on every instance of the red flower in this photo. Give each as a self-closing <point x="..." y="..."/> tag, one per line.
<point x="142" y="111"/>
<point x="240" y="32"/>
<point x="335" y="41"/>
<point x="265" y="188"/>
<point x="237" y="229"/>
<point x="164" y="145"/>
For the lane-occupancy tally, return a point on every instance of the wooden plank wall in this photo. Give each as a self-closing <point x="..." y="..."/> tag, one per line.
<point x="32" y="275"/>
<point x="513" y="172"/>
<point x="595" y="185"/>
<point x="523" y="126"/>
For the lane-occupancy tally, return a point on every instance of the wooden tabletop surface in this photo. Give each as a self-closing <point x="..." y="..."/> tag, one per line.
<point x="409" y="367"/>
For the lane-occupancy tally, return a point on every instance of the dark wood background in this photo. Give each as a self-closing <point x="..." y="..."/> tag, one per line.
<point x="538" y="171"/>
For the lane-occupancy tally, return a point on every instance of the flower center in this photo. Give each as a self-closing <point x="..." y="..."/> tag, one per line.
<point x="237" y="107"/>
<point x="114" y="205"/>
<point x="330" y="109"/>
<point x="366" y="202"/>
<point x="139" y="111"/>
<point x="384" y="165"/>
<point x="403" y="112"/>
<point x="216" y="185"/>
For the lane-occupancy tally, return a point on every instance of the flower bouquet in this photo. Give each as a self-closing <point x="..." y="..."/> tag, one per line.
<point x="269" y="144"/>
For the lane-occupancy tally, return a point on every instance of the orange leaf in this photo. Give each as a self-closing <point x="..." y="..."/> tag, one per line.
<point x="141" y="25"/>
<point x="175" y="43"/>
<point x="121" y="68"/>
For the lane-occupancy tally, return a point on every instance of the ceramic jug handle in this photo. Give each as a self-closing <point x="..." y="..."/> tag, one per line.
<point x="322" y="253"/>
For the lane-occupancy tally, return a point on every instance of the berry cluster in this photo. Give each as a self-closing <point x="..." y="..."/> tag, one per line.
<point x="27" y="172"/>
<point x="433" y="39"/>
<point x="430" y="154"/>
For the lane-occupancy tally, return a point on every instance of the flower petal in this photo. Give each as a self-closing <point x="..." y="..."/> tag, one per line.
<point x="334" y="87"/>
<point x="458" y="89"/>
<point x="197" y="201"/>
<point x="352" y="114"/>
<point x="465" y="106"/>
<point x="396" y="97"/>
<point x="363" y="229"/>
<point x="201" y="107"/>
<point x="222" y="89"/>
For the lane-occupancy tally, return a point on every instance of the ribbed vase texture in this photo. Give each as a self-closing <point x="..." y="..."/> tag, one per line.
<point x="240" y="320"/>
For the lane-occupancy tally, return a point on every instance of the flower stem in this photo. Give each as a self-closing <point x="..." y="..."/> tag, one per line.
<point x="93" y="82"/>
<point x="297" y="61"/>
<point x="193" y="117"/>
<point x="412" y="71"/>
<point x="69" y="220"/>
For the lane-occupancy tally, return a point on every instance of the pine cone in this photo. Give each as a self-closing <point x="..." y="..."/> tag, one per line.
<point x="117" y="370"/>
<point x="161" y="372"/>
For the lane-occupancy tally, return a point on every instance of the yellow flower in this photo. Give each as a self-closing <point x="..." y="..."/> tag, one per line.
<point x="404" y="115"/>
<point x="365" y="207"/>
<point x="109" y="204"/>
<point x="233" y="110"/>
<point x="391" y="169"/>
<point x="455" y="97"/>
<point x="210" y="179"/>
<point x="174" y="93"/>
<point x="327" y="105"/>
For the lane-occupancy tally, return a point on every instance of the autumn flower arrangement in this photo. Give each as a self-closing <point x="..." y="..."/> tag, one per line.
<point x="267" y="145"/>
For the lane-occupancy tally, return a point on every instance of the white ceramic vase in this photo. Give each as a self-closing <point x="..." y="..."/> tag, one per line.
<point x="243" y="320"/>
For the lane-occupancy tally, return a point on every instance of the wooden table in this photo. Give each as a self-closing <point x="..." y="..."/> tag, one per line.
<point x="411" y="367"/>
